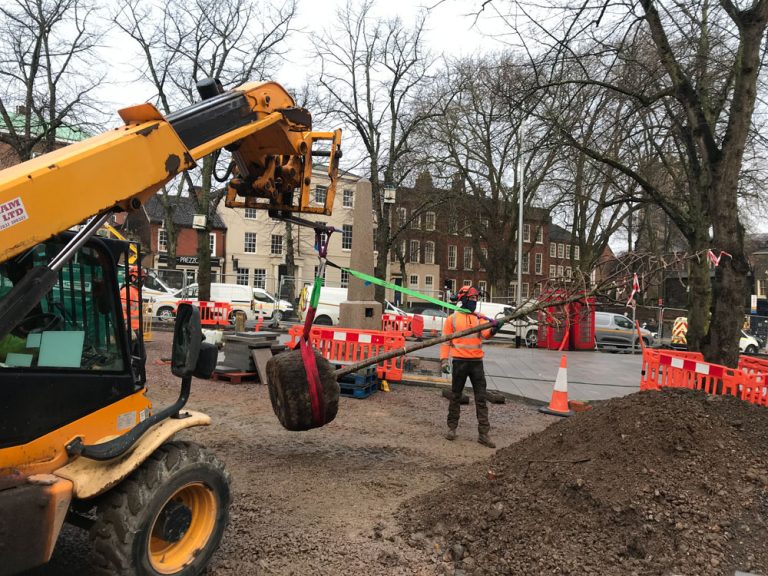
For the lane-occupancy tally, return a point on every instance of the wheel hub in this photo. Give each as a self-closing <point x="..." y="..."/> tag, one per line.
<point x="173" y="522"/>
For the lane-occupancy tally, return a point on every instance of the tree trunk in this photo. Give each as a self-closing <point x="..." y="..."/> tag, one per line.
<point x="699" y="293"/>
<point x="729" y="295"/>
<point x="173" y="241"/>
<point x="289" y="291"/>
<point x="382" y="247"/>
<point x="203" y="239"/>
<point x="204" y="265"/>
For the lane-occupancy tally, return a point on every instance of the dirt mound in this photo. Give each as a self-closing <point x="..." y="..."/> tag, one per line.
<point x="667" y="483"/>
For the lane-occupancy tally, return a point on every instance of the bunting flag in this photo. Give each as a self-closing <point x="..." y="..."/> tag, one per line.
<point x="635" y="290"/>
<point x="716" y="259"/>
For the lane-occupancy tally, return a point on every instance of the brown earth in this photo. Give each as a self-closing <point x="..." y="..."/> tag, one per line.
<point x="669" y="483"/>
<point x="321" y="502"/>
<point x="672" y="483"/>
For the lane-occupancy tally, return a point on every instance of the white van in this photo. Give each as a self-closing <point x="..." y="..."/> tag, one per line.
<point x="530" y="327"/>
<point x="152" y="286"/>
<point x="238" y="296"/>
<point x="270" y="307"/>
<point x="328" y="307"/>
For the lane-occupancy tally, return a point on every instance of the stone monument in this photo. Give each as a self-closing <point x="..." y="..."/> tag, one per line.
<point x="361" y="311"/>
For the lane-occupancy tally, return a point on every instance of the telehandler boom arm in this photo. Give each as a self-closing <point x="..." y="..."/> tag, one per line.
<point x="271" y="140"/>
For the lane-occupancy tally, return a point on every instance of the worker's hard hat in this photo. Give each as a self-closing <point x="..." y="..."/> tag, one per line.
<point x="467" y="292"/>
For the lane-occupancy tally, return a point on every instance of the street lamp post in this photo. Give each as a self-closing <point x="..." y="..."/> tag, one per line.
<point x="519" y="292"/>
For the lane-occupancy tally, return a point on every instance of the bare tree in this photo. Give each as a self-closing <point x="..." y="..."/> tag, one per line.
<point x="48" y="71"/>
<point x="486" y="130"/>
<point x="372" y="79"/>
<point x="590" y="197"/>
<point x="182" y="43"/>
<point x="690" y="72"/>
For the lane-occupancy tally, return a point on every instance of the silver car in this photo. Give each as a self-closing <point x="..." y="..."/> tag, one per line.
<point x="616" y="330"/>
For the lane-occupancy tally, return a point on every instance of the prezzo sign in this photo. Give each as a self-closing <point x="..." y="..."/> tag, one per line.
<point x="12" y="212"/>
<point x="189" y="260"/>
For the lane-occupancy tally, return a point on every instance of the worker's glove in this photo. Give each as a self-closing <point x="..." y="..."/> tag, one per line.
<point x="497" y="324"/>
<point x="445" y="366"/>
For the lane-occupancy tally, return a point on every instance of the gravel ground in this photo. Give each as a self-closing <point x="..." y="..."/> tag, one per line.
<point x="326" y="501"/>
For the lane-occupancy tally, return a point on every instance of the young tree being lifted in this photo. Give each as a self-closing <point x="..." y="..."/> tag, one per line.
<point x="233" y="41"/>
<point x="691" y="73"/>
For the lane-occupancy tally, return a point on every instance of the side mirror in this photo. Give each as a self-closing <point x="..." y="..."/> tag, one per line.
<point x="187" y="338"/>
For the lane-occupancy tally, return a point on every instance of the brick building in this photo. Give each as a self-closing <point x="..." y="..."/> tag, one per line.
<point x="186" y="243"/>
<point x="441" y="253"/>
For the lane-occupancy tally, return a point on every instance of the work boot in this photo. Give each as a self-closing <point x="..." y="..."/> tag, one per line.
<point x="451" y="434"/>
<point x="485" y="440"/>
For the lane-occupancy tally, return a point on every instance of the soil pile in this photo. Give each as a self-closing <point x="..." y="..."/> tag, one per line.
<point x="672" y="483"/>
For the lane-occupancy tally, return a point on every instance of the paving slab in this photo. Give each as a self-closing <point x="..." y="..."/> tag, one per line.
<point x="530" y="373"/>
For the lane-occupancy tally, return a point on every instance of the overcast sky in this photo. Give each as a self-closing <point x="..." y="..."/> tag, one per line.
<point x="452" y="30"/>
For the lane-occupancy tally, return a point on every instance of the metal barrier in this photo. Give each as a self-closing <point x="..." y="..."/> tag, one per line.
<point x="211" y="313"/>
<point x="675" y="369"/>
<point x="348" y="345"/>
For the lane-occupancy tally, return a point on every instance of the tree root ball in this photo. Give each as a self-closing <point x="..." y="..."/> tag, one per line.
<point x="289" y="390"/>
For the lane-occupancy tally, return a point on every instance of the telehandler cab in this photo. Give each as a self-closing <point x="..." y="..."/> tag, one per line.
<point x="80" y="439"/>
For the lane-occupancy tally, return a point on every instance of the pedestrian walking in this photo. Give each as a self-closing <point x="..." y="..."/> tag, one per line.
<point x="463" y="358"/>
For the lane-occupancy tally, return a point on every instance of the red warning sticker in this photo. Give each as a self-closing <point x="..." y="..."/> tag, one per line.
<point x="11" y="213"/>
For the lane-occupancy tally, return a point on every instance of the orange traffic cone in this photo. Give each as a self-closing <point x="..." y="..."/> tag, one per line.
<point x="259" y="323"/>
<point x="558" y="405"/>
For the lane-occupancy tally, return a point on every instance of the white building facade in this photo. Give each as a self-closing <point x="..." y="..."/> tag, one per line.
<point x="256" y="245"/>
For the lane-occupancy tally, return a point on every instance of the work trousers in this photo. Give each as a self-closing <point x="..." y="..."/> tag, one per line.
<point x="474" y="370"/>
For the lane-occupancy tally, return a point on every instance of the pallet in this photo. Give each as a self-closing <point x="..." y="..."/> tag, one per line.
<point x="357" y="379"/>
<point x="367" y="371"/>
<point x="360" y="392"/>
<point x="235" y="377"/>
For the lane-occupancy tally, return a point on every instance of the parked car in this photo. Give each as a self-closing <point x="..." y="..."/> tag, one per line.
<point x="152" y="286"/>
<point x="328" y="306"/>
<point x="748" y="344"/>
<point x="239" y="297"/>
<point x="530" y="328"/>
<point x="616" y="330"/>
<point x="270" y="307"/>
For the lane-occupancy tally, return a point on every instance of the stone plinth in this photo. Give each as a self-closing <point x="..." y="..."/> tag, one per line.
<point x="361" y="311"/>
<point x="360" y="315"/>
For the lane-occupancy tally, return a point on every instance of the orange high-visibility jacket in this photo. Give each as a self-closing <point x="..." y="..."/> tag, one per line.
<point x="130" y="305"/>
<point x="468" y="347"/>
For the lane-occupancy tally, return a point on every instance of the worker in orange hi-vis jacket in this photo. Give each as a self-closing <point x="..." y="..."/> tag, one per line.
<point x="467" y="362"/>
<point x="129" y="296"/>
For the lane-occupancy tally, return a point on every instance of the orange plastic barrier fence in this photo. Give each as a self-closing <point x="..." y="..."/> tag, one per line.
<point x="677" y="369"/>
<point x="348" y="345"/>
<point x="211" y="313"/>
<point x="397" y="323"/>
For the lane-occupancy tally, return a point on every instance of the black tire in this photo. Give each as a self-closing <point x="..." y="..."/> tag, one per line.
<point x="289" y="390"/>
<point x="165" y="314"/>
<point x="532" y="338"/>
<point x="277" y="316"/>
<point x="751" y="349"/>
<point x="126" y="533"/>
<point x="323" y="320"/>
